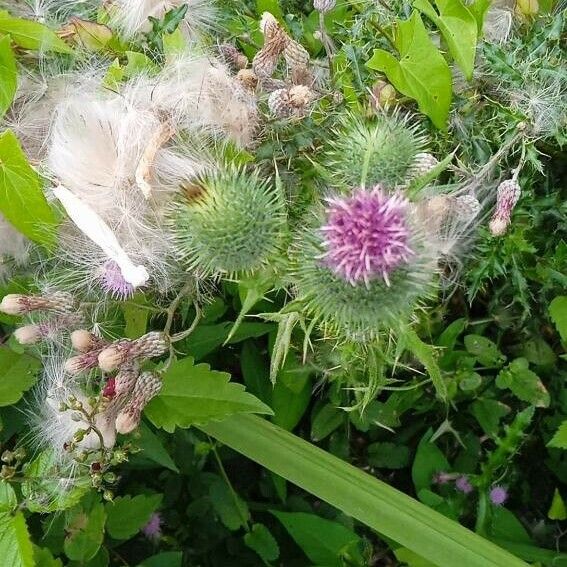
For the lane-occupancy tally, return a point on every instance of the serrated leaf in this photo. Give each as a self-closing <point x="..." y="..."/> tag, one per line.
<point x="15" y="546"/>
<point x="196" y="394"/>
<point x="231" y="509"/>
<point x="388" y="455"/>
<point x="558" y="313"/>
<point x="22" y="201"/>
<point x="559" y="440"/>
<point x="8" y="498"/>
<point x="421" y="73"/>
<point x="18" y="373"/>
<point x="127" y="515"/>
<point x="31" y="35"/>
<point x="459" y="28"/>
<point x="8" y="75"/>
<point x="84" y="527"/>
<point x="260" y="539"/>
<point x="44" y="558"/>
<point x="486" y="351"/>
<point x="523" y="383"/>
<point x="488" y="413"/>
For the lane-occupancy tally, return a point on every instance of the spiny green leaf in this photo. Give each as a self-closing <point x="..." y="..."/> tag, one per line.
<point x="196" y="394"/>
<point x="22" y="201"/>
<point x="8" y="75"/>
<point x="421" y="73"/>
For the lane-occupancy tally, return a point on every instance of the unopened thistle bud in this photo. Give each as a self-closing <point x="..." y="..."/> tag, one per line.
<point x="423" y="163"/>
<point x="507" y="196"/>
<point x="365" y="265"/>
<point x="324" y="5"/>
<point x="125" y="350"/>
<point x="48" y="329"/>
<point x="233" y="57"/>
<point x="85" y="341"/>
<point x="82" y="362"/>
<point x="28" y="335"/>
<point x="292" y="102"/>
<point x="147" y="387"/>
<point x="234" y="224"/>
<point x="16" y="304"/>
<point x="383" y="95"/>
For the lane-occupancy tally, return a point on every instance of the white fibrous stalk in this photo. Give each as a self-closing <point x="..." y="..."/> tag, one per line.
<point x="131" y="17"/>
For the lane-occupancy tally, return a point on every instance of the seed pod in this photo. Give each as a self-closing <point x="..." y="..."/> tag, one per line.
<point x="275" y="40"/>
<point x="125" y="350"/>
<point x="147" y="386"/>
<point x="16" y="304"/>
<point x="466" y="208"/>
<point x="82" y="362"/>
<point x="383" y="95"/>
<point x="296" y="56"/>
<point x="423" y="163"/>
<point x="324" y="5"/>
<point x="28" y="335"/>
<point x="270" y="85"/>
<point x="248" y="79"/>
<point x="233" y="57"/>
<point x="85" y="341"/>
<point x="295" y="101"/>
<point x="507" y="196"/>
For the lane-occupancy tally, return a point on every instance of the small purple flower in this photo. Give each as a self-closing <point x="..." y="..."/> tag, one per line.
<point x="112" y="281"/>
<point x="498" y="495"/>
<point x="462" y="484"/>
<point x="366" y="235"/>
<point x="152" y="530"/>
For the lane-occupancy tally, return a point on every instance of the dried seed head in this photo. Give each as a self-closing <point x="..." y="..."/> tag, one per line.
<point x="423" y="163"/>
<point x="29" y="334"/>
<point x="82" y="362"/>
<point x="296" y="56"/>
<point x="295" y="101"/>
<point x="248" y="79"/>
<point x="507" y="196"/>
<point x="233" y="57"/>
<point x="85" y="341"/>
<point x="275" y="40"/>
<point x="466" y="208"/>
<point x="126" y="379"/>
<point x="324" y="5"/>
<point x="125" y="350"/>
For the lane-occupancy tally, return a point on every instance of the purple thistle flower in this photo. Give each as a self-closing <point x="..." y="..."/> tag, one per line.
<point x="366" y="235"/>
<point x="498" y="495"/>
<point x="112" y="281"/>
<point x="462" y="484"/>
<point x="152" y="530"/>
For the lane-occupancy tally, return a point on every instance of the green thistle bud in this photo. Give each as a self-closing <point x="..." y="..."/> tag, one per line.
<point x="230" y="223"/>
<point x="365" y="153"/>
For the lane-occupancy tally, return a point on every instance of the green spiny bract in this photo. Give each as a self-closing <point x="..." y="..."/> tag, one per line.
<point x="361" y="312"/>
<point x="365" y="153"/>
<point x="230" y="223"/>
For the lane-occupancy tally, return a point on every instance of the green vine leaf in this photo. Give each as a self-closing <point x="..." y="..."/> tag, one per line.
<point x="196" y="394"/>
<point x="22" y="201"/>
<point x="421" y="73"/>
<point x="8" y="75"/>
<point x="459" y="29"/>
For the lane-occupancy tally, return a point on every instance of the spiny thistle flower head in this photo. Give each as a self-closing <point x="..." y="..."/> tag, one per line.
<point x="370" y="152"/>
<point x="498" y="495"/>
<point x="231" y="222"/>
<point x="152" y="530"/>
<point x="366" y="235"/>
<point x="364" y="263"/>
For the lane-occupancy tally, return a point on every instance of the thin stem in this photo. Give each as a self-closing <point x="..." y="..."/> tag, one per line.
<point x="174" y="305"/>
<point x="233" y="494"/>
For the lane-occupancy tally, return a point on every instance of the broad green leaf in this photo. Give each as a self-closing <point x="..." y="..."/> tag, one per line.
<point x="411" y="559"/>
<point x="44" y="558"/>
<point x="448" y="338"/>
<point x="8" y="75"/>
<point x="478" y="9"/>
<point x="260" y="539"/>
<point x="255" y="369"/>
<point x="196" y="394"/>
<point x="152" y="450"/>
<point x="84" y="527"/>
<point x="31" y="35"/>
<point x="327" y="419"/>
<point x="459" y="29"/>
<point x="323" y="541"/>
<point x="428" y="460"/>
<point x="421" y="73"/>
<point x="165" y="559"/>
<point x="272" y="6"/>
<point x="139" y="63"/>
<point x="524" y="384"/>
<point x="486" y="352"/>
<point x="231" y="509"/>
<point x="89" y="35"/>
<point x="488" y="413"/>
<point x="114" y="76"/>
<point x="22" y="201"/>
<point x="367" y="499"/>
<point x="15" y="546"/>
<point x="557" y="510"/>
<point x="127" y="515"/>
<point x="558" y="313"/>
<point x="18" y="373"/>
<point x="559" y="440"/>
<point x="388" y="455"/>
<point x="8" y="498"/>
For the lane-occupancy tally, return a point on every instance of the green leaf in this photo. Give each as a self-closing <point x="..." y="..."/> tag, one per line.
<point x="139" y="63"/>
<point x="22" y="201"/>
<point x="557" y="510"/>
<point x="196" y="394"/>
<point x="152" y="450"/>
<point x="8" y="498"/>
<point x="44" y="558"/>
<point x="231" y="509"/>
<point x="559" y="440"/>
<point x="8" y="75"/>
<point x="421" y="73"/>
<point x="271" y="6"/>
<point x="260" y="539"/>
<point x="15" y="546"/>
<point x="488" y="413"/>
<point x="18" y="373"/>
<point x="90" y="35"/>
<point x="31" y="35"/>
<point x="486" y="352"/>
<point x="411" y="559"/>
<point x="327" y="419"/>
<point x="478" y="9"/>
<point x="428" y="460"/>
<point x="381" y="507"/>
<point x="136" y="317"/>
<point x="459" y="29"/>
<point x="323" y="541"/>
<point x="523" y="383"/>
<point x="84" y="527"/>
<point x="388" y="455"/>
<point x="127" y="515"/>
<point x="165" y="559"/>
<point x="558" y="314"/>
